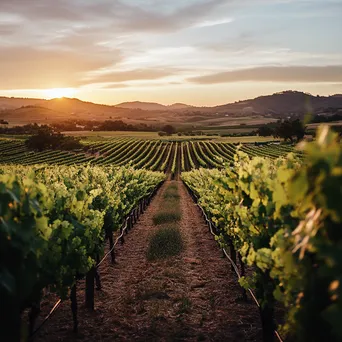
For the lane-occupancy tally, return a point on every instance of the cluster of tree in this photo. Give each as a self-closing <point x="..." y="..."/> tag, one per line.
<point x="196" y="133"/>
<point x="283" y="129"/>
<point x="324" y="118"/>
<point x="3" y="122"/>
<point x="108" y="125"/>
<point x="46" y="139"/>
<point x="241" y="134"/>
<point x="25" y="129"/>
<point x="167" y="130"/>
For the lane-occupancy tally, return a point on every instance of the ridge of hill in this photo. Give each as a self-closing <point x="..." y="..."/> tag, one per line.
<point x="152" y="106"/>
<point x="278" y="105"/>
<point x="285" y="102"/>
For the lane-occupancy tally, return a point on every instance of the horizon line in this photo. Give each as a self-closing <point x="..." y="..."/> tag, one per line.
<point x="158" y="103"/>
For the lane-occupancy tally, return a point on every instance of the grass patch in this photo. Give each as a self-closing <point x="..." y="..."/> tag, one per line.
<point x="165" y="242"/>
<point x="166" y="217"/>
<point x="172" y="186"/>
<point x="171" y="193"/>
<point x="169" y="211"/>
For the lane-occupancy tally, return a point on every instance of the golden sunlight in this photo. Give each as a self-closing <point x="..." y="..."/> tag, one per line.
<point x="59" y="92"/>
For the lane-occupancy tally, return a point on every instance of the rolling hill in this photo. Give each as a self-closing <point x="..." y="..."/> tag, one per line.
<point x="152" y="106"/>
<point x="26" y="110"/>
<point x="284" y="103"/>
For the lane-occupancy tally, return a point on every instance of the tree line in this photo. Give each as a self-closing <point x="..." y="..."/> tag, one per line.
<point x="85" y="125"/>
<point x="291" y="130"/>
<point x="283" y="129"/>
<point x="107" y="125"/>
<point x="46" y="138"/>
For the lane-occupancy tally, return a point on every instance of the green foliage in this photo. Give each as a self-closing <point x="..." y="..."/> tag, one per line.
<point x="284" y="217"/>
<point x="182" y="157"/>
<point x="52" y="222"/>
<point x="47" y="139"/>
<point x="285" y="129"/>
<point x="174" y="161"/>
<point x="163" y="167"/>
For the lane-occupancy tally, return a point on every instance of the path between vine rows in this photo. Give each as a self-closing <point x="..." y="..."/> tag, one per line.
<point x="191" y="297"/>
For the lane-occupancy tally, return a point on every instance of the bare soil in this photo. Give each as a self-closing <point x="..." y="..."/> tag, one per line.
<point x="190" y="297"/>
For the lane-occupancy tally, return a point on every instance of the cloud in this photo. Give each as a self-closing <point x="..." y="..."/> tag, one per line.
<point x="275" y="74"/>
<point x="27" y="67"/>
<point x="131" y="75"/>
<point x="208" y="23"/>
<point x="119" y="15"/>
<point x="117" y="43"/>
<point x="115" y="86"/>
<point x="43" y="9"/>
<point x="49" y="43"/>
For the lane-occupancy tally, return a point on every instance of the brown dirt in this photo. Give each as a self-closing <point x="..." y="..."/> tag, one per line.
<point x="191" y="297"/>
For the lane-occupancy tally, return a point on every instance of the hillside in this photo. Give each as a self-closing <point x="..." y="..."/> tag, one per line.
<point x="152" y="106"/>
<point x="284" y="103"/>
<point x="141" y="105"/>
<point x="22" y="110"/>
<point x="8" y="103"/>
<point x="34" y="113"/>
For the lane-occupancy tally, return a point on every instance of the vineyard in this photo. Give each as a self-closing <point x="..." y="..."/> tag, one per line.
<point x="282" y="218"/>
<point x="154" y="155"/>
<point x="54" y="223"/>
<point x="274" y="209"/>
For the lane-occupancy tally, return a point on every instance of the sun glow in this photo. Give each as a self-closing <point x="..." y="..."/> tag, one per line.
<point x="59" y="92"/>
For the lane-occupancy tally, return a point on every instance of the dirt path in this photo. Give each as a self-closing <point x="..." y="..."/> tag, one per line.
<point x="191" y="297"/>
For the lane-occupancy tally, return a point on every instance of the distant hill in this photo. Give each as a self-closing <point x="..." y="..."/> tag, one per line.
<point x="141" y="105"/>
<point x="26" y="110"/>
<point x="179" y="106"/>
<point x="17" y="102"/>
<point x="284" y="103"/>
<point x="33" y="113"/>
<point x="152" y="106"/>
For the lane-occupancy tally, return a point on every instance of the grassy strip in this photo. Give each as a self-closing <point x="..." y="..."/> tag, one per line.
<point x="166" y="217"/>
<point x="170" y="211"/>
<point x="165" y="242"/>
<point x="171" y="193"/>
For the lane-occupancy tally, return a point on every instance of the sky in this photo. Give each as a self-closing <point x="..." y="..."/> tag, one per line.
<point x="199" y="52"/>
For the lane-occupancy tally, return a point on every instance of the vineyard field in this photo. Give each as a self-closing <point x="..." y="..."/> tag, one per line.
<point x="55" y="222"/>
<point x="155" y="155"/>
<point x="274" y="210"/>
<point x="282" y="218"/>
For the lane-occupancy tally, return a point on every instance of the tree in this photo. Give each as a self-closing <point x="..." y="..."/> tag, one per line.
<point x="169" y="129"/>
<point x="47" y="139"/>
<point x="288" y="129"/>
<point x="265" y="131"/>
<point x="298" y="129"/>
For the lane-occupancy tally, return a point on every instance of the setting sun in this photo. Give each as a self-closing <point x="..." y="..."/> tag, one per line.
<point x="59" y="92"/>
